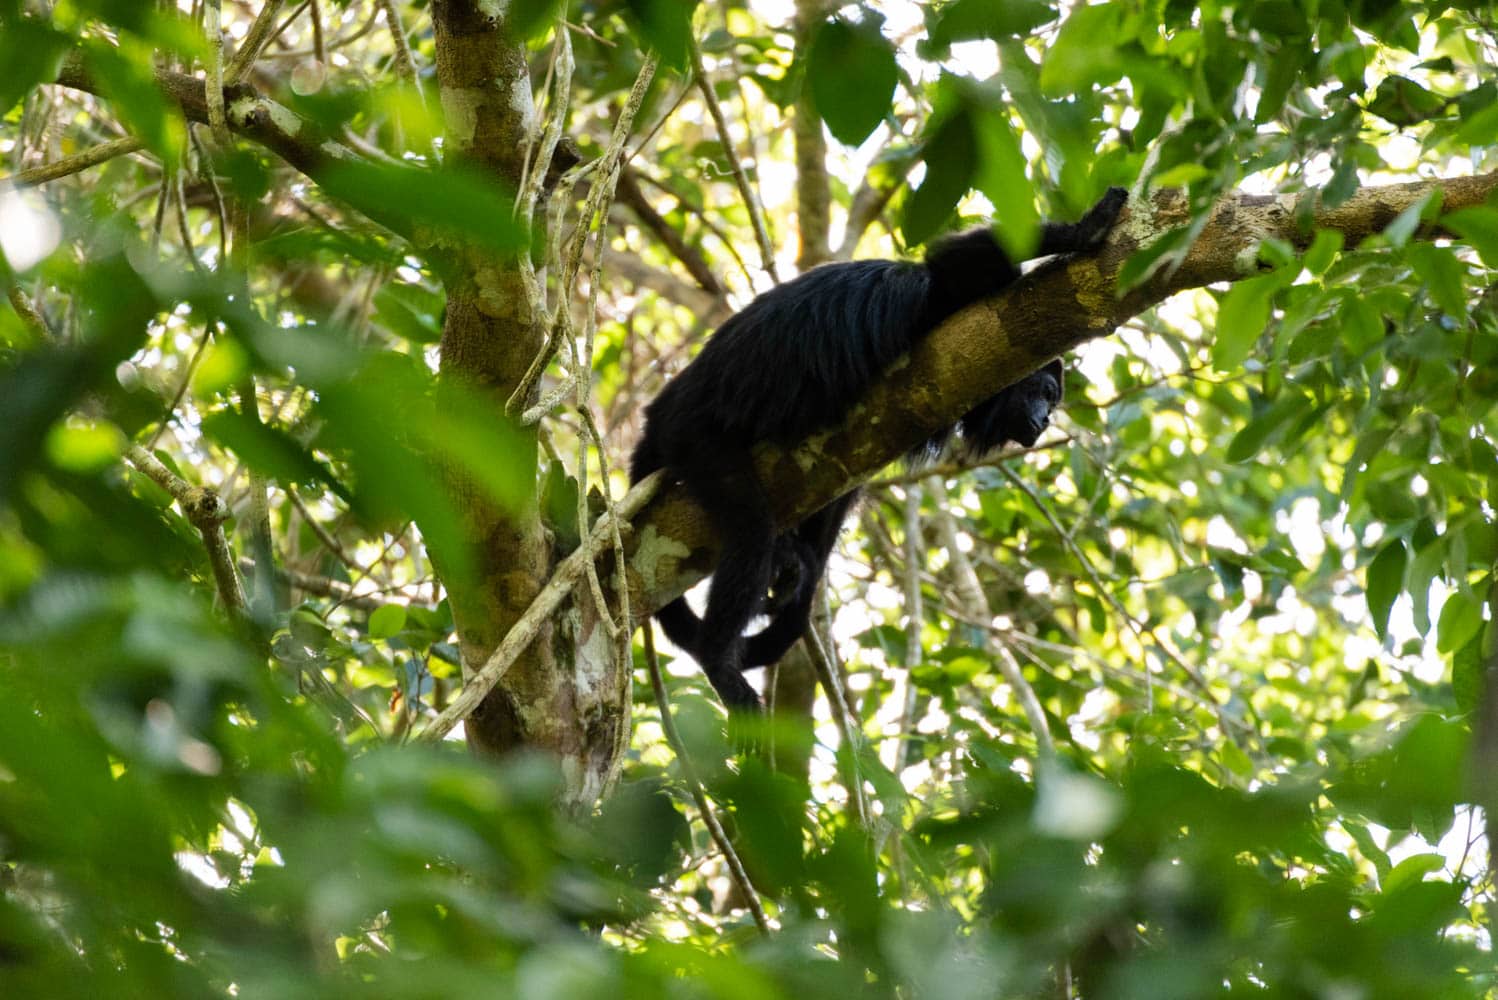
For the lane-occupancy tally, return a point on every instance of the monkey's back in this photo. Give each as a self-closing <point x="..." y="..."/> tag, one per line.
<point x="793" y="360"/>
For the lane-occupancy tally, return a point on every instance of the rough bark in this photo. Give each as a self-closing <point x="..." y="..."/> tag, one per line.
<point x="490" y="338"/>
<point x="813" y="189"/>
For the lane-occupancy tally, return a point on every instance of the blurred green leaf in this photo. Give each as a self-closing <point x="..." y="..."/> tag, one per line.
<point x="852" y="74"/>
<point x="1385" y="583"/>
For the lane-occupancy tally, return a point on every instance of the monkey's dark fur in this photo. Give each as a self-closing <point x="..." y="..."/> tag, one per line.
<point x="794" y="360"/>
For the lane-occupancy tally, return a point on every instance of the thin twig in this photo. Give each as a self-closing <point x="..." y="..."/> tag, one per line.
<point x="1227" y="722"/>
<point x="600" y="195"/>
<point x="915" y="616"/>
<point x="819" y="648"/>
<point x="751" y="201"/>
<point x="205" y="168"/>
<point x="736" y="870"/>
<point x="206" y="511"/>
<point x="534" y="176"/>
<point x="323" y="535"/>
<point x="31" y="317"/>
<point x="319" y="49"/>
<point x="91" y="157"/>
<point x="184" y="231"/>
<point x="405" y="62"/>
<point x="262" y="543"/>
<point x="160" y="217"/>
<point x="975" y="607"/>
<point x="253" y="44"/>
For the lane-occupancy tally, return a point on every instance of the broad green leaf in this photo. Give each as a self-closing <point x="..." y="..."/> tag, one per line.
<point x="1085" y="52"/>
<point x="530" y="19"/>
<point x="1444" y="274"/>
<point x="1411" y="870"/>
<point x="1477" y="225"/>
<point x="1461" y="617"/>
<point x="852" y="73"/>
<point x="1241" y="317"/>
<point x="1144" y="262"/>
<point x="31" y="52"/>
<point x="1403" y="227"/>
<point x="398" y="315"/>
<point x="666" y="27"/>
<point x="1248" y="441"/>
<point x="450" y="200"/>
<point x="1402" y="101"/>
<point x="951" y="161"/>
<point x="1481" y="129"/>
<point x="269" y="450"/>
<point x="386" y="620"/>
<point x="969" y="20"/>
<point x="1385" y="582"/>
<point x="1323" y="251"/>
<point x="1001" y="175"/>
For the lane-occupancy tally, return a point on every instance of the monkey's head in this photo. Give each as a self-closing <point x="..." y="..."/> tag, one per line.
<point x="1021" y="412"/>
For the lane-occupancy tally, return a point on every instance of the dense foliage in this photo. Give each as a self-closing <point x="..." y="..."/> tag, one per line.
<point x="1189" y="699"/>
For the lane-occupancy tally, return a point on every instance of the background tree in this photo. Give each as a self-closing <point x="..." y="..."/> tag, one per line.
<point x="331" y="326"/>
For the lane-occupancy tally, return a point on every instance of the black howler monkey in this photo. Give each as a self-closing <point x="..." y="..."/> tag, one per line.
<point x="794" y="360"/>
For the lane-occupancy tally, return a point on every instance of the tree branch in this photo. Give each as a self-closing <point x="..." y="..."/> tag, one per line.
<point x="91" y="157"/>
<point x="1053" y="309"/>
<point x="297" y="140"/>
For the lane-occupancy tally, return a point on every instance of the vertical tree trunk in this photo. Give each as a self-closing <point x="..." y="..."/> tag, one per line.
<point x="565" y="694"/>
<point x="813" y="190"/>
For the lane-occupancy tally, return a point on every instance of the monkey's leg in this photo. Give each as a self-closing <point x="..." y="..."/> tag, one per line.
<point x="725" y="485"/>
<point x="816" y="537"/>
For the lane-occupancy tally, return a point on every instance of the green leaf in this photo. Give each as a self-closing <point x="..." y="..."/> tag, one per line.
<point x="530" y="19"/>
<point x="1241" y="318"/>
<point x="1443" y="274"/>
<point x="452" y="200"/>
<point x="1402" y="101"/>
<point x="1478" y="226"/>
<point x="1142" y="263"/>
<point x="1411" y="870"/>
<point x="1479" y="130"/>
<point x="1461" y="617"/>
<point x="1399" y="231"/>
<point x="402" y="317"/>
<point x="130" y="85"/>
<point x="1235" y="760"/>
<point x="1343" y="183"/>
<point x="31" y="53"/>
<point x="970" y="20"/>
<point x="1283" y="70"/>
<point x="951" y="161"/>
<point x="1085" y="52"/>
<point x="1323" y="251"/>
<point x="1385" y="582"/>
<point x="1251" y="439"/>
<point x="1002" y="177"/>
<point x="852" y="73"/>
<point x="666" y="27"/>
<point x="269" y="450"/>
<point x="386" y="620"/>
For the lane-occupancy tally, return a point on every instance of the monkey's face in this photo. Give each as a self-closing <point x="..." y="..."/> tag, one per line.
<point x="1031" y="401"/>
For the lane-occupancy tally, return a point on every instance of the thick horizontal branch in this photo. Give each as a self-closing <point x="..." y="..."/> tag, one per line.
<point x="1055" y="308"/>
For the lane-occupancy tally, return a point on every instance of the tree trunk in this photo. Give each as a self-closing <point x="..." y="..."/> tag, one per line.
<point x="565" y="694"/>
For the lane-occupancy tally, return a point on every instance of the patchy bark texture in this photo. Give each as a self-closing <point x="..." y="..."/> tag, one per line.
<point x="562" y="695"/>
<point x="994" y="343"/>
